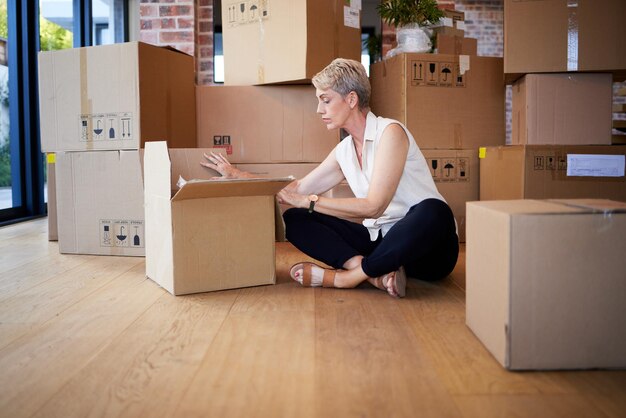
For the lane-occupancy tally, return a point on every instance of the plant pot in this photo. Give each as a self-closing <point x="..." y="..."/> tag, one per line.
<point x="411" y="38"/>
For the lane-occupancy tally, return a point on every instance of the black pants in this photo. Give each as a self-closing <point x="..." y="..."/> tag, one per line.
<point x="424" y="241"/>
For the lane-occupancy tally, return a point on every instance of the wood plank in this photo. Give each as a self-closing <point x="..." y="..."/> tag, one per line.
<point x="368" y="362"/>
<point x="26" y="311"/>
<point x="37" y="365"/>
<point x="37" y="271"/>
<point x="530" y="406"/>
<point x="146" y="369"/>
<point x="464" y="365"/>
<point x="619" y="124"/>
<point x="262" y="361"/>
<point x="619" y="107"/>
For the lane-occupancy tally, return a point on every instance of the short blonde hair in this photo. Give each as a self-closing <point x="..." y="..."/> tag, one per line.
<point x="344" y="76"/>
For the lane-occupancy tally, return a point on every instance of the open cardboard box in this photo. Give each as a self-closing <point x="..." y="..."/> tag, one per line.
<point x="211" y="234"/>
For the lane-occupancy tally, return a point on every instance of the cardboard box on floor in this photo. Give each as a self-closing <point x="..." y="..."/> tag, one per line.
<point x="116" y="97"/>
<point x="545" y="282"/>
<point x="100" y="202"/>
<point x="287" y="40"/>
<point x="53" y="231"/>
<point x="446" y="101"/>
<point x="556" y="36"/>
<point x="456" y="176"/>
<point x="210" y="235"/>
<point x="567" y="109"/>
<point x="552" y="172"/>
<point x="263" y="124"/>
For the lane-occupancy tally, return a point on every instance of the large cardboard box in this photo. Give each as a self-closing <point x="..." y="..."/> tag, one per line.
<point x="116" y="97"/>
<point x="456" y="176"/>
<point x="570" y="108"/>
<point x="552" y="172"/>
<point x="210" y="235"/>
<point x="100" y="202"/>
<point x="263" y="124"/>
<point x="559" y="35"/>
<point x="446" y="101"/>
<point x="286" y="40"/>
<point x="545" y="282"/>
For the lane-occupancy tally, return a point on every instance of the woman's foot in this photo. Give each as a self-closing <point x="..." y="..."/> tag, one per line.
<point x="393" y="283"/>
<point x="312" y="275"/>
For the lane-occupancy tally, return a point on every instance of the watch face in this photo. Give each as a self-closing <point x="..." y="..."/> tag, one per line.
<point x="313" y="197"/>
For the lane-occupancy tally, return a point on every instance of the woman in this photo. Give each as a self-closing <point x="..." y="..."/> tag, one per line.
<point x="408" y="228"/>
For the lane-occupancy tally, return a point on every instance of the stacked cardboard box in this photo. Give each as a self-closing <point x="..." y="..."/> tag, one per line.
<point x="449" y="35"/>
<point x="98" y="107"/>
<point x="287" y="41"/>
<point x="266" y="111"/>
<point x="558" y="106"/>
<point x="530" y="256"/>
<point x="452" y="104"/>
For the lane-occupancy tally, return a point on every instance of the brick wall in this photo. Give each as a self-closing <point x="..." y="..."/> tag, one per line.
<point x="186" y="25"/>
<point x="204" y="42"/>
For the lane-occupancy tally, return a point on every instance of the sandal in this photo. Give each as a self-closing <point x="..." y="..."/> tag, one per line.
<point x="328" y="280"/>
<point x="398" y="287"/>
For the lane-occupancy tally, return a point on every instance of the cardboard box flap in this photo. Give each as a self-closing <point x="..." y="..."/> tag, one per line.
<point x="594" y="205"/>
<point x="157" y="169"/>
<point x="198" y="189"/>
<point x="527" y="206"/>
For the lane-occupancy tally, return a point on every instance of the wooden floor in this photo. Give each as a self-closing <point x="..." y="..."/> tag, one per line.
<point x="91" y="336"/>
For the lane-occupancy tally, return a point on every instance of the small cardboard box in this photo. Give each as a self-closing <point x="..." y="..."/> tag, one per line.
<point x="263" y="124"/>
<point x="546" y="282"/>
<point x="100" y="202"/>
<point x="116" y="97"/>
<point x="456" y="176"/>
<point x="446" y="101"/>
<point x="286" y="40"/>
<point x="556" y="36"/>
<point x="552" y="172"/>
<point x="210" y="235"/>
<point x="456" y="45"/>
<point x="567" y="109"/>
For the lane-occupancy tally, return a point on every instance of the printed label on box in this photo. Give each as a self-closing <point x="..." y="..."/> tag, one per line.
<point x="439" y="74"/>
<point x="121" y="233"/>
<point x="595" y="165"/>
<point x="250" y="11"/>
<point x="351" y="17"/>
<point x="106" y="127"/>
<point x="449" y="169"/>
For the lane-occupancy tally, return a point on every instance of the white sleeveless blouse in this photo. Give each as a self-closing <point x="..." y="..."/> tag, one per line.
<point x="416" y="183"/>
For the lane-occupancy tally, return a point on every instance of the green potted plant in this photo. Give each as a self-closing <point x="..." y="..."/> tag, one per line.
<point x="410" y="17"/>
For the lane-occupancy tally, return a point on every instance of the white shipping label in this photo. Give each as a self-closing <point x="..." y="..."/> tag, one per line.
<point x="356" y="4"/>
<point x="595" y="165"/>
<point x="351" y="17"/>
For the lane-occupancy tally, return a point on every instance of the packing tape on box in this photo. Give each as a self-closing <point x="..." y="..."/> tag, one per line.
<point x="572" y="35"/>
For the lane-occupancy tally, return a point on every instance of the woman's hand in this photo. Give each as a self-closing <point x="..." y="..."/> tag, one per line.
<point x="220" y="164"/>
<point x="289" y="196"/>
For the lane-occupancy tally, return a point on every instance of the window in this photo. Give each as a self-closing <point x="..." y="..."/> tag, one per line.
<point x="26" y="27"/>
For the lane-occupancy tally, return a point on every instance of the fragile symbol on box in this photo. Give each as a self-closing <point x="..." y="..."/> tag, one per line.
<point x="242" y="12"/>
<point x="442" y="74"/>
<point x="539" y="162"/>
<point x="121" y="233"/>
<point x="449" y="169"/>
<point x="105" y="127"/>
